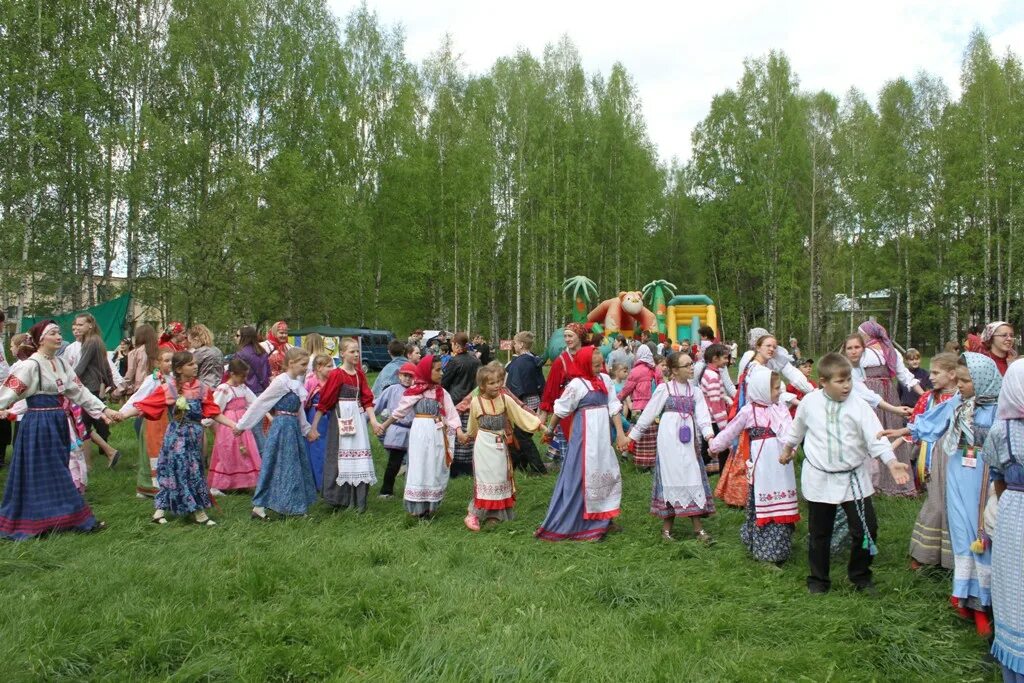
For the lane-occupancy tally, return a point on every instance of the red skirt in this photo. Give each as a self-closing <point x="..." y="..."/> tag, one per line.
<point x="732" y="484"/>
<point x="647" y="448"/>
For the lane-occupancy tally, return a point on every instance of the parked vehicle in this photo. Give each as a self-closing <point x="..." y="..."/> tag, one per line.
<point x="373" y="344"/>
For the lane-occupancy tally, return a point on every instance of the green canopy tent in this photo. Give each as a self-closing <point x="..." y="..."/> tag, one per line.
<point x="110" y="317"/>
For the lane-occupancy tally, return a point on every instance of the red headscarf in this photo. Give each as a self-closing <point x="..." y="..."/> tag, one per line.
<point x="877" y="335"/>
<point x="582" y="368"/>
<point x="423" y="382"/>
<point x="172" y="331"/>
<point x="277" y="346"/>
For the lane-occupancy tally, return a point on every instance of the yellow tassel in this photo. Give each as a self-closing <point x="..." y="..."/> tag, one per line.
<point x="978" y="547"/>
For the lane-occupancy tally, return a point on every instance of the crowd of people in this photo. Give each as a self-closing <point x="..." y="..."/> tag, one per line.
<point x="291" y="424"/>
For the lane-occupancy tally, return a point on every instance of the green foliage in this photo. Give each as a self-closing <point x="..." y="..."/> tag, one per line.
<point x="251" y="160"/>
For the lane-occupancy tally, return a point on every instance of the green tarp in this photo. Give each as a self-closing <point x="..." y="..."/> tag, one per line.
<point x="110" y="316"/>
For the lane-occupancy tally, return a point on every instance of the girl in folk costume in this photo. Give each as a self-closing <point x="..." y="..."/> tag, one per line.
<point x="772" y="507"/>
<point x="235" y="463"/>
<point x="348" y="462"/>
<point x="558" y="378"/>
<point x="276" y="346"/>
<point x="396" y="438"/>
<point x="316" y="376"/>
<point x="179" y="467"/>
<point x="40" y="495"/>
<point x="997" y="340"/>
<point x="882" y="365"/>
<point x="732" y="486"/>
<point x="929" y="541"/>
<point x="492" y="414"/>
<point x="151" y="431"/>
<point x="285" y="484"/>
<point x="1004" y="454"/>
<point x="680" y="487"/>
<point x="589" y="487"/>
<point x="962" y="424"/>
<point x="640" y="385"/>
<point x="430" y="437"/>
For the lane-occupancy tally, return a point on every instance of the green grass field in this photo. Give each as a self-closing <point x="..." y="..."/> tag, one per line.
<point x="381" y="597"/>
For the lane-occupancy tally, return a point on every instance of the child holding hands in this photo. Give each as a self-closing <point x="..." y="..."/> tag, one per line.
<point x="841" y="436"/>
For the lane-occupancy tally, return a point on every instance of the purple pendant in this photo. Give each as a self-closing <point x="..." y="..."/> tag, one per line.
<point x="685" y="434"/>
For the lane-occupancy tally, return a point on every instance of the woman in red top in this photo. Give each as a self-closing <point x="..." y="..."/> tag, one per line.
<point x="998" y="340"/>
<point x="349" y="474"/>
<point x="558" y="378"/>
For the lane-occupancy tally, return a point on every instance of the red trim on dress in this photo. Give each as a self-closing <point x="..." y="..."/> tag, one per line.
<point x="37" y="526"/>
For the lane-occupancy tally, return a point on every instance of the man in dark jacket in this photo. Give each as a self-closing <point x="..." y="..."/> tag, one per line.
<point x="459" y="379"/>
<point x="525" y="379"/>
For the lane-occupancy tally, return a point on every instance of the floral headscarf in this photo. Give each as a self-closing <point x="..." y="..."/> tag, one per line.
<point x="990" y="330"/>
<point x="873" y="332"/>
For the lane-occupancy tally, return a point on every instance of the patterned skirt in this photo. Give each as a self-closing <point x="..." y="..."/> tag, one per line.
<point x="1008" y="584"/>
<point x="40" y="495"/>
<point x="179" y="470"/>
<point x="882" y="480"/>
<point x="647" y="448"/>
<point x="772" y="542"/>
<point x="929" y="541"/>
<point x="462" y="456"/>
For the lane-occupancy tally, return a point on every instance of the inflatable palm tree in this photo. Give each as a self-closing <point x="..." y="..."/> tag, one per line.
<point x="584" y="290"/>
<point x="654" y="294"/>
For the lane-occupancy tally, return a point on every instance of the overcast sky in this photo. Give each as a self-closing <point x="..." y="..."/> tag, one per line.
<point x="680" y="54"/>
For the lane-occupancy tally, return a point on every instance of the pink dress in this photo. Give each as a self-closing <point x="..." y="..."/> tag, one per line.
<point x="230" y="467"/>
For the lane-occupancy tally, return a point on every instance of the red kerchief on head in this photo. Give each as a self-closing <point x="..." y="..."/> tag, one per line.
<point x="582" y="368"/>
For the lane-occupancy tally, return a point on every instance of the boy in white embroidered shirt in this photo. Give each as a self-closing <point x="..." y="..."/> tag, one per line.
<point x="840" y="437"/>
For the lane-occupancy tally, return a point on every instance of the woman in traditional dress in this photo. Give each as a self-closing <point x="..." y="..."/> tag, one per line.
<point x="492" y="415"/>
<point x="1004" y="454"/>
<point x="348" y="461"/>
<point x="151" y="431"/>
<point x="680" y="485"/>
<point x="772" y="506"/>
<point x="286" y="482"/>
<point x="430" y="438"/>
<point x="588" y="491"/>
<point x="179" y="469"/>
<point x="40" y="494"/>
<point x="558" y="378"/>
<point x="639" y="387"/>
<point x="882" y="365"/>
<point x="997" y="341"/>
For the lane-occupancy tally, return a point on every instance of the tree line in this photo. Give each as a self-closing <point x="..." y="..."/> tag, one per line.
<point x="251" y="160"/>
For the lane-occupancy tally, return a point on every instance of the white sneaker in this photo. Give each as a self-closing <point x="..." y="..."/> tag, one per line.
<point x="216" y="492"/>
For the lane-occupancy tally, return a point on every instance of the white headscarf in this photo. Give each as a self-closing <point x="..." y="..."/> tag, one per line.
<point x="644" y="355"/>
<point x="1011" y="396"/>
<point x="759" y="385"/>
